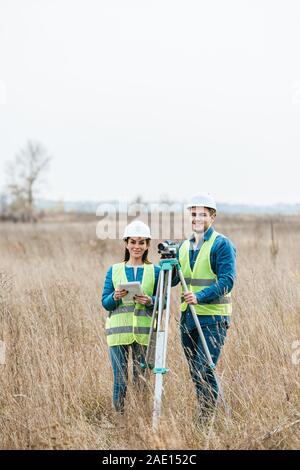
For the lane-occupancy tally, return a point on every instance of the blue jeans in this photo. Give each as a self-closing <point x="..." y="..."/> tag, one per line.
<point x="205" y="383"/>
<point x="119" y="360"/>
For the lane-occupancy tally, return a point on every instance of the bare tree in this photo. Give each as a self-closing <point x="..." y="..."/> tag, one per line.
<point x="25" y="175"/>
<point x="3" y="204"/>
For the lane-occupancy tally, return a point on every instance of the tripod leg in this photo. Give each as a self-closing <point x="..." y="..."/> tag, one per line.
<point x="169" y="286"/>
<point x="158" y="357"/>
<point x="204" y="344"/>
<point x="158" y="380"/>
<point x="150" y="354"/>
<point x="161" y="349"/>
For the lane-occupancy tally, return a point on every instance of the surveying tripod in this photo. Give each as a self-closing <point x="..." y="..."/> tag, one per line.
<point x="156" y="353"/>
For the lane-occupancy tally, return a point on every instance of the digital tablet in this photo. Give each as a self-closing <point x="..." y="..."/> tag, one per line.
<point x="133" y="288"/>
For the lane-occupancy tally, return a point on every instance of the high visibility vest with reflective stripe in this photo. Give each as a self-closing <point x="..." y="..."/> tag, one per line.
<point x="202" y="276"/>
<point x="130" y="321"/>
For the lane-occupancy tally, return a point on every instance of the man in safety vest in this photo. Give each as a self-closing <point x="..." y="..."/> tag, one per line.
<point x="208" y="263"/>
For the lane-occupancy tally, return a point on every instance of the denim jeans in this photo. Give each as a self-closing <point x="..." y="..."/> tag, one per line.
<point x="205" y="383"/>
<point x="119" y="356"/>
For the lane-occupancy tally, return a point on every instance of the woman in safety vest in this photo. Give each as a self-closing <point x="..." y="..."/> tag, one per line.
<point x="128" y="323"/>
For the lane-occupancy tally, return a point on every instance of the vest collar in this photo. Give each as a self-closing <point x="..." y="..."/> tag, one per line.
<point x="206" y="235"/>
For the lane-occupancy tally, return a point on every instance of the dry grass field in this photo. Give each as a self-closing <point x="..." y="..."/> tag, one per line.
<point x="56" y="383"/>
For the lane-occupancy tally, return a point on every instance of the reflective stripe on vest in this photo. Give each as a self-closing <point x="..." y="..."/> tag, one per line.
<point x="202" y="276"/>
<point x="130" y="321"/>
<point x="221" y="300"/>
<point x="200" y="282"/>
<point x="127" y="329"/>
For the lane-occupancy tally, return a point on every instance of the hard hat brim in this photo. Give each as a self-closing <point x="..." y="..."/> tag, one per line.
<point x="138" y="236"/>
<point x="189" y="206"/>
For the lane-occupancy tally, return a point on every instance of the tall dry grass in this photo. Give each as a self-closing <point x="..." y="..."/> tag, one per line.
<point x="56" y="383"/>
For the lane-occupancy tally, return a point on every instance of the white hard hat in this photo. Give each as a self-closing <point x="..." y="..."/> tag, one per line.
<point x="203" y="200"/>
<point x="137" y="229"/>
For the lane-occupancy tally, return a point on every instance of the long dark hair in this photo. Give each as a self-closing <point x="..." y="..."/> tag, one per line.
<point x="144" y="257"/>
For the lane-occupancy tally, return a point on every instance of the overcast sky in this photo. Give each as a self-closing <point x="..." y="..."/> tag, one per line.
<point x="155" y="97"/>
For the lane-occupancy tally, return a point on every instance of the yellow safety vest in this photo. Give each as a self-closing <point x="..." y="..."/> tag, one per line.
<point x="130" y="321"/>
<point x="202" y="276"/>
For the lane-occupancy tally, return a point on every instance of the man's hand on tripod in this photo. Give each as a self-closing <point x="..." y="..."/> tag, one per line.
<point x="190" y="298"/>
